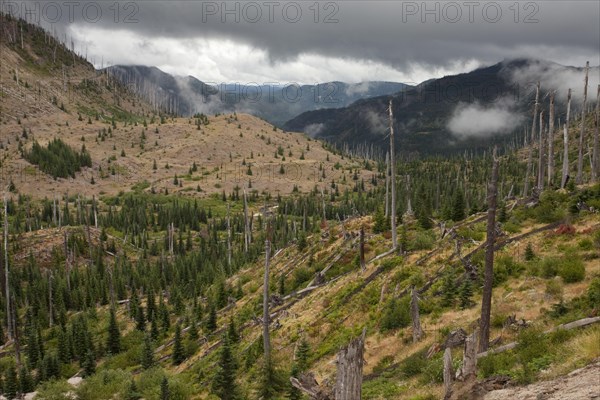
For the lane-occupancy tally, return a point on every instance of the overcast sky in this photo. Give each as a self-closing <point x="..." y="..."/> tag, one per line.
<point x="308" y="41"/>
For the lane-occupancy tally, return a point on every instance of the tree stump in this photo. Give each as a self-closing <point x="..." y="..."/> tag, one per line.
<point x="350" y="361"/>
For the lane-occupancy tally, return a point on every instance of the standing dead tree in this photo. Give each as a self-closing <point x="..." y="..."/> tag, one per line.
<point x="348" y="384"/>
<point x="596" y="149"/>
<point x="551" y="140"/>
<point x="542" y="147"/>
<point x="531" y="141"/>
<point x="387" y="184"/>
<point x="228" y="236"/>
<point x="417" y="331"/>
<point x="363" y="264"/>
<point x="9" y="324"/>
<point x="486" y="302"/>
<point x="469" y="365"/>
<point x="247" y="229"/>
<point x="393" y="180"/>
<point x="448" y="373"/>
<point x="565" y="167"/>
<point x="579" y="178"/>
<point x="266" y="315"/>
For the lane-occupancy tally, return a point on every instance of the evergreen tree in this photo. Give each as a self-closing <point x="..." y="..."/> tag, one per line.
<point x="113" y="343"/>
<point x="224" y="384"/>
<point x="140" y="320"/>
<point x="465" y="293"/>
<point x="193" y="331"/>
<point x="89" y="364"/>
<point x="164" y="389"/>
<point x="64" y="347"/>
<point x="502" y="216"/>
<point x="26" y="383"/>
<point x="302" y="354"/>
<point x="424" y="217"/>
<point x="154" y="333"/>
<point x="147" y="360"/>
<point x="211" y="321"/>
<point x="458" y="207"/>
<point x="178" y="351"/>
<point x="150" y="307"/>
<point x="132" y="392"/>
<point x="529" y="253"/>
<point x="164" y="315"/>
<point x="448" y="291"/>
<point x="382" y="223"/>
<point x="299" y="366"/>
<point x="232" y="334"/>
<point x="11" y="385"/>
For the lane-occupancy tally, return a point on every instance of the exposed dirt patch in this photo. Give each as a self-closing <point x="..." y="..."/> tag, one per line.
<point x="583" y="383"/>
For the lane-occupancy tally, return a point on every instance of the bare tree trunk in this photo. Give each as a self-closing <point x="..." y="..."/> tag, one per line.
<point x="531" y="142"/>
<point x="363" y="265"/>
<point x="247" y="235"/>
<point x="348" y="384"/>
<point x="228" y="237"/>
<point x="414" y="315"/>
<point x="596" y="149"/>
<point x="95" y="212"/>
<point x="551" y="141"/>
<point x="469" y="367"/>
<point x="54" y="218"/>
<point x="266" y="316"/>
<point x="448" y="374"/>
<point x="542" y="147"/>
<point x="50" y="311"/>
<point x="579" y="179"/>
<point x="565" y="168"/>
<point x="486" y="302"/>
<point x="67" y="262"/>
<point x="393" y="179"/>
<point x="387" y="184"/>
<point x="7" y="274"/>
<point x="323" y="201"/>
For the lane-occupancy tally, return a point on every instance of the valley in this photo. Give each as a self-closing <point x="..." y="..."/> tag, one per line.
<point x="152" y="250"/>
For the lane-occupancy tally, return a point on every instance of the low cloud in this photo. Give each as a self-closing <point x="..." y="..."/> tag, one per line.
<point x="557" y="77"/>
<point x="377" y="122"/>
<point x="358" y="88"/>
<point x="313" y="130"/>
<point x="477" y="121"/>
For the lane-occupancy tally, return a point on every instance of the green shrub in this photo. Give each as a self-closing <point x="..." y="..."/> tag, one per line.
<point x="498" y="320"/>
<point x="396" y="314"/>
<point x="381" y="388"/>
<point x="586" y="244"/>
<point x="413" y="365"/>
<point x="549" y="267"/>
<point x="433" y="371"/>
<point x="422" y="240"/>
<point x="554" y="288"/>
<point x="496" y="364"/>
<point x="383" y="364"/>
<point x="508" y="265"/>
<point x="550" y="208"/>
<point x="593" y="292"/>
<point x="532" y="353"/>
<point x="391" y="263"/>
<point x="104" y="385"/>
<point x="571" y="270"/>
